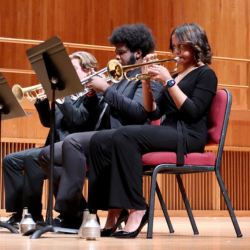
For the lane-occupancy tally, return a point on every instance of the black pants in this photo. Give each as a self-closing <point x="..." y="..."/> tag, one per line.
<point x="115" y="167"/>
<point x="70" y="162"/>
<point x="23" y="178"/>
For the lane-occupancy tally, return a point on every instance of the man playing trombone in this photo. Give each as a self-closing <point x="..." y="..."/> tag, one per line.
<point x="121" y="105"/>
<point x="23" y="176"/>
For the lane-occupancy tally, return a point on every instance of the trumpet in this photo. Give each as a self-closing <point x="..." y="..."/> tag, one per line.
<point x="86" y="79"/>
<point x="32" y="94"/>
<point x="116" y="70"/>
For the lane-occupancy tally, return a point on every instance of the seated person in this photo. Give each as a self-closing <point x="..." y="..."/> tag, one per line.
<point x="121" y="105"/>
<point x="115" y="167"/>
<point x="23" y="176"/>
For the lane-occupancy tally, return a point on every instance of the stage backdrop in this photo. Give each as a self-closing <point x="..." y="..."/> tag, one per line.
<point x="80" y="22"/>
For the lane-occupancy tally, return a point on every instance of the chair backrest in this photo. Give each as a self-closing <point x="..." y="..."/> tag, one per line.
<point x="218" y="115"/>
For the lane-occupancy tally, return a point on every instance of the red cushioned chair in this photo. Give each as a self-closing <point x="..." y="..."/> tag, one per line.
<point x="165" y="163"/>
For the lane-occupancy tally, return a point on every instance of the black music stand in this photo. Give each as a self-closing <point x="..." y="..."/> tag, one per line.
<point x="58" y="77"/>
<point x="9" y="109"/>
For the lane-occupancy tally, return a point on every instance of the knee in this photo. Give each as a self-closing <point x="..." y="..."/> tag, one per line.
<point x="71" y="142"/>
<point x="31" y="162"/>
<point x="121" y="135"/>
<point x="98" y="141"/>
<point x="30" y="157"/>
<point x="7" y="162"/>
<point x="44" y="157"/>
<point x="95" y="138"/>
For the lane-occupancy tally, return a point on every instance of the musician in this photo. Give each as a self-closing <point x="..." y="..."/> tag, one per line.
<point x="185" y="101"/>
<point x="121" y="105"/>
<point x="23" y="176"/>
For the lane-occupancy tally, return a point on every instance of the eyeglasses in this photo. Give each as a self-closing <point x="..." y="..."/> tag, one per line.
<point x="120" y="52"/>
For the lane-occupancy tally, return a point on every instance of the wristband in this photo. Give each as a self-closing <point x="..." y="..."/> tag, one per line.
<point x="170" y="83"/>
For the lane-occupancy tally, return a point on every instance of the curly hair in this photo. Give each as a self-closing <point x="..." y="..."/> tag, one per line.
<point x="135" y="36"/>
<point x="86" y="60"/>
<point x="193" y="35"/>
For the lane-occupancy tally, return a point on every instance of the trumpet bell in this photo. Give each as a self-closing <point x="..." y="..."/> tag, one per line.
<point x="30" y="92"/>
<point x="18" y="92"/>
<point x="115" y="71"/>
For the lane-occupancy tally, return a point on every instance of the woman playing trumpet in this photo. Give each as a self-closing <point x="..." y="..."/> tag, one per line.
<point x="185" y="100"/>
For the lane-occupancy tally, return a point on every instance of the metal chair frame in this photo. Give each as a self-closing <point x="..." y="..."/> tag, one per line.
<point x="166" y="168"/>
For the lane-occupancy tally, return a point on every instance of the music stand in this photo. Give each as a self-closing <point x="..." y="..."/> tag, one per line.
<point x="58" y="77"/>
<point x="9" y="109"/>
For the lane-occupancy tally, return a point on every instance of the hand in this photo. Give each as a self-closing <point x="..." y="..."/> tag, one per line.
<point x="90" y="72"/>
<point x="60" y="101"/>
<point x="148" y="58"/>
<point x="160" y="73"/>
<point x="41" y="92"/>
<point x="98" y="84"/>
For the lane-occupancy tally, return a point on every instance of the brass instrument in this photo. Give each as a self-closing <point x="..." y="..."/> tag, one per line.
<point x="31" y="92"/>
<point x="116" y="70"/>
<point x="86" y="79"/>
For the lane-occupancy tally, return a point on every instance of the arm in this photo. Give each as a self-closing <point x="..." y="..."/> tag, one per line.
<point x="148" y="98"/>
<point x="194" y="99"/>
<point x="196" y="105"/>
<point x="43" y="110"/>
<point x="129" y="108"/>
<point x="75" y="113"/>
<point x="90" y="101"/>
<point x="162" y="74"/>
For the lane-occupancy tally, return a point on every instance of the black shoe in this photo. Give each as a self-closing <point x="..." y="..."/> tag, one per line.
<point x="41" y="223"/>
<point x="123" y="234"/>
<point x="106" y="232"/>
<point x="14" y="220"/>
<point x="63" y="221"/>
<point x="38" y="218"/>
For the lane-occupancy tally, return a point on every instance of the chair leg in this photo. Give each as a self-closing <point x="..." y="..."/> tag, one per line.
<point x="228" y="203"/>
<point x="152" y="201"/>
<point x="151" y="206"/>
<point x="187" y="205"/>
<point x="164" y="209"/>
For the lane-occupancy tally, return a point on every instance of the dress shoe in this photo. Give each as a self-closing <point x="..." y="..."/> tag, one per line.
<point x="123" y="234"/>
<point x="63" y="221"/>
<point x="14" y="220"/>
<point x="56" y="221"/>
<point x="106" y="232"/>
<point x="38" y="218"/>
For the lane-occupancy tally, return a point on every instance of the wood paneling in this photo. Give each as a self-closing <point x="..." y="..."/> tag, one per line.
<point x="91" y="22"/>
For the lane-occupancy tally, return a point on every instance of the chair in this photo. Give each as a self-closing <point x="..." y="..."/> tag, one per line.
<point x="165" y="163"/>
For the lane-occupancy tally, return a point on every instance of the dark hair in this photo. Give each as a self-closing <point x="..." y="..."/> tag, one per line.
<point x="193" y="35"/>
<point x="135" y="36"/>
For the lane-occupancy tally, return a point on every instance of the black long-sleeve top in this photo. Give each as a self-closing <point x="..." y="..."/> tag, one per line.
<point x="190" y="120"/>
<point x="70" y="117"/>
<point x="124" y="103"/>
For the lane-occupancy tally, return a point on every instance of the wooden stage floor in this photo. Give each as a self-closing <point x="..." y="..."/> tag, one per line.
<point x="215" y="233"/>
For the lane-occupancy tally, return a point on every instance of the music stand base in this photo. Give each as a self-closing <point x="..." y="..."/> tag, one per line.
<point x="36" y="233"/>
<point x="8" y="226"/>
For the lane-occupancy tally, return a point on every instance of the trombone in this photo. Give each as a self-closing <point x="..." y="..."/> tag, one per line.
<point x="116" y="70"/>
<point x="32" y="94"/>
